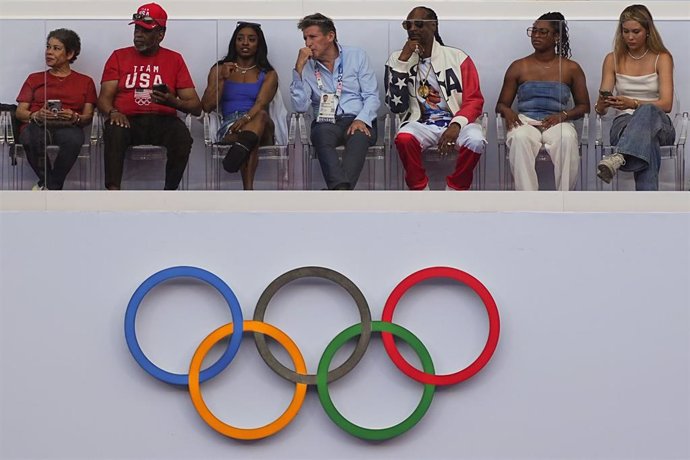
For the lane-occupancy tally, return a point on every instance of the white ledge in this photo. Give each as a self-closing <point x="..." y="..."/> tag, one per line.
<point x="673" y="10"/>
<point x="379" y="201"/>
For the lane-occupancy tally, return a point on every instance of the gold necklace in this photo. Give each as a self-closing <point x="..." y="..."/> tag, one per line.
<point x="424" y="89"/>
<point x="60" y="77"/>
<point x="550" y="62"/>
<point x="244" y="70"/>
<point x="638" y="58"/>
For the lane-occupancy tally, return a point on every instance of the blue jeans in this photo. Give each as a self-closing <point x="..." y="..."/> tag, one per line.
<point x="639" y="138"/>
<point x="327" y="136"/>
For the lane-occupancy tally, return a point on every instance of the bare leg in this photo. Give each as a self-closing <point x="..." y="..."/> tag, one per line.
<point x="262" y="126"/>
<point x="248" y="169"/>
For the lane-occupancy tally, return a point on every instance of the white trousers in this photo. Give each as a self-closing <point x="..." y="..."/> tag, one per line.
<point x="470" y="136"/>
<point x="561" y="142"/>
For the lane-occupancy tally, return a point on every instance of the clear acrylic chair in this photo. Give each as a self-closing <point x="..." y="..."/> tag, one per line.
<point x="674" y="154"/>
<point x="150" y="153"/>
<point x="432" y="156"/>
<point x="87" y="161"/>
<point x="5" y="152"/>
<point x="377" y="154"/>
<point x="504" y="170"/>
<point x="283" y="155"/>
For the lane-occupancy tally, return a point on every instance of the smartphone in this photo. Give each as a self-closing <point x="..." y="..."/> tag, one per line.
<point x="605" y="94"/>
<point x="54" y="105"/>
<point x="163" y="88"/>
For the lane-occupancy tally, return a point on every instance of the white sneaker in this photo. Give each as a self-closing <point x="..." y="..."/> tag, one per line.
<point x="37" y="188"/>
<point x="608" y="166"/>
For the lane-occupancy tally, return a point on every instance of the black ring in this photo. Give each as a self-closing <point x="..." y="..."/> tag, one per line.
<point x="340" y="280"/>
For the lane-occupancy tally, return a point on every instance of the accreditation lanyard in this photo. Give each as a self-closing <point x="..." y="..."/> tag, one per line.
<point x="328" y="103"/>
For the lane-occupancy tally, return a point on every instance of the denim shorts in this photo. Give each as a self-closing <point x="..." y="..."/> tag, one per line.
<point x="228" y="120"/>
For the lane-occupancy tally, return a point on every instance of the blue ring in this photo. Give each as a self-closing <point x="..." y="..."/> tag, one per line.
<point x="178" y="272"/>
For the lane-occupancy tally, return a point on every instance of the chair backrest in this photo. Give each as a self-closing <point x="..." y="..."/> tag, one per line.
<point x="3" y="128"/>
<point x="682" y="133"/>
<point x="9" y="129"/>
<point x="680" y="124"/>
<point x="9" y="124"/>
<point x="279" y="114"/>
<point x="96" y="128"/>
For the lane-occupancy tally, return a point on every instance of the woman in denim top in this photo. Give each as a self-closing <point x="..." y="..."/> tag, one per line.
<point x="544" y="82"/>
<point x="243" y="84"/>
<point x="640" y="73"/>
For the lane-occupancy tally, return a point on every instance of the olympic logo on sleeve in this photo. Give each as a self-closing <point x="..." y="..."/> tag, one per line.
<point x="324" y="374"/>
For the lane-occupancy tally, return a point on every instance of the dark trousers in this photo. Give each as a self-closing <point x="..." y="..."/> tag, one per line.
<point x="327" y="136"/>
<point x="68" y="139"/>
<point x="167" y="131"/>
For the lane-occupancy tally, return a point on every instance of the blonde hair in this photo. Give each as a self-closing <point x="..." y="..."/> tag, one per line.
<point x="641" y="14"/>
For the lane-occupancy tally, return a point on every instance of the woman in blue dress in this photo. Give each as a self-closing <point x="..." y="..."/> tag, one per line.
<point x="242" y="85"/>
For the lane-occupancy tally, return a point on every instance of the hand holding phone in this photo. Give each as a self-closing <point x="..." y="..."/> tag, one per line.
<point x="162" y="88"/>
<point x="54" y="105"/>
<point x="605" y="94"/>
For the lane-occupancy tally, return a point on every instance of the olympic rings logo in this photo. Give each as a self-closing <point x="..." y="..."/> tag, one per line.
<point x="386" y="327"/>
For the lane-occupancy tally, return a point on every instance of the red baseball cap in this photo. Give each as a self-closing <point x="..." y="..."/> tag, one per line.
<point x="150" y="16"/>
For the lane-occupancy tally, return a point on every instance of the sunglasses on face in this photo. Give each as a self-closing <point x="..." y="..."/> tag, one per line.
<point x="418" y="23"/>
<point x="535" y="31"/>
<point x="145" y="19"/>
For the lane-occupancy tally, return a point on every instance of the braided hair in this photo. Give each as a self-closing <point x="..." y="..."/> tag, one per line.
<point x="431" y="14"/>
<point x="556" y="19"/>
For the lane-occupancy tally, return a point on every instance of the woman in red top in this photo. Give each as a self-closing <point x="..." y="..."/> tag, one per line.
<point x="54" y="106"/>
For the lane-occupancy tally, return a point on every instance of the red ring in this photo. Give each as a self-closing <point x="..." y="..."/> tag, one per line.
<point x="491" y="341"/>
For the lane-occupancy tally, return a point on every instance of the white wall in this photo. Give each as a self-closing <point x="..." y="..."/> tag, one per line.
<point x="593" y="359"/>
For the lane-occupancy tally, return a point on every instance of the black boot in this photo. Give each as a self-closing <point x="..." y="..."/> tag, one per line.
<point x="239" y="152"/>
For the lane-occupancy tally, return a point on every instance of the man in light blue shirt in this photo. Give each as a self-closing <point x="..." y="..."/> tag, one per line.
<point x="340" y="85"/>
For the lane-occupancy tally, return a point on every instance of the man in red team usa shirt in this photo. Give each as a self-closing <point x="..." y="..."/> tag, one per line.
<point x="142" y="88"/>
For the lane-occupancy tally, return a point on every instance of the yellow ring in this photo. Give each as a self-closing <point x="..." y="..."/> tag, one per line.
<point x="219" y="425"/>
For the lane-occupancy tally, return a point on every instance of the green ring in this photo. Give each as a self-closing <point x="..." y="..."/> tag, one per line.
<point x="370" y="434"/>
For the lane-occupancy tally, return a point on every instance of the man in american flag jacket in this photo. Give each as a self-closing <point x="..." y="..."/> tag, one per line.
<point x="436" y="90"/>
